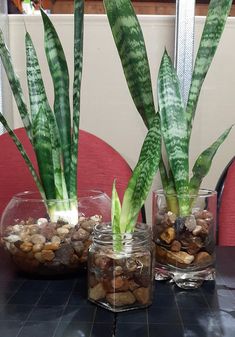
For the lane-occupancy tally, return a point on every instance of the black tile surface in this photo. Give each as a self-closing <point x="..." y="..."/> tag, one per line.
<point x="59" y="308"/>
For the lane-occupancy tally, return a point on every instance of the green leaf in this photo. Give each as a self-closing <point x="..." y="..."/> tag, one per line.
<point x="130" y="43"/>
<point x="37" y="94"/>
<point x="38" y="100"/>
<point x="58" y="171"/>
<point x="204" y="161"/>
<point x="43" y="150"/>
<point x="78" y="58"/>
<point x="173" y="124"/>
<point x="28" y="162"/>
<point x="142" y="177"/>
<point x="59" y="72"/>
<point x="116" y="210"/>
<point x="216" y="18"/>
<point x="15" y="86"/>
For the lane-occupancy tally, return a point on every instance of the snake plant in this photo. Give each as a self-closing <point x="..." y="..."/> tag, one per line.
<point x="53" y="138"/>
<point x="176" y="119"/>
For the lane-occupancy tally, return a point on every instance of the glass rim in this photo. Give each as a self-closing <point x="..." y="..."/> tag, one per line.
<point x="35" y="196"/>
<point x="202" y="192"/>
<point x="105" y="229"/>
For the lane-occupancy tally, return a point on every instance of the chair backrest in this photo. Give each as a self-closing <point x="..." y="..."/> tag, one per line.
<point x="226" y="206"/>
<point x="98" y="165"/>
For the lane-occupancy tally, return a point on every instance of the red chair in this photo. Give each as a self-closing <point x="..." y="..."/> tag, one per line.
<point x="226" y="206"/>
<point x="98" y="165"/>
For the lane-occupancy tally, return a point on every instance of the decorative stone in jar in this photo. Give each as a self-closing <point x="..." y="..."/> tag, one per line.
<point x="120" y="268"/>
<point x="42" y="246"/>
<point x="185" y="245"/>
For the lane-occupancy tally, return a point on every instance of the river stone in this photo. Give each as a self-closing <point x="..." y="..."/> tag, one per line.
<point x="64" y="254"/>
<point x="39" y="257"/>
<point x="78" y="247"/>
<point x="33" y="229"/>
<point x="55" y="239"/>
<point x="142" y="295"/>
<point x="38" y="238"/>
<point x="37" y="247"/>
<point x="88" y="225"/>
<point x="121" y="299"/>
<point x="48" y="231"/>
<point x="81" y="234"/>
<point x="18" y="228"/>
<point x="12" y="238"/>
<point x="26" y="247"/>
<point x="62" y="232"/>
<point x="47" y="255"/>
<point x="42" y="221"/>
<point x="97" y="292"/>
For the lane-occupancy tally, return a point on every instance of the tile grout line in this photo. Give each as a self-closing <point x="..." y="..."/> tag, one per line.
<point x="179" y="312"/>
<point x="65" y="305"/>
<point x="7" y="302"/>
<point x="34" y="306"/>
<point x="147" y="320"/>
<point x="93" y="321"/>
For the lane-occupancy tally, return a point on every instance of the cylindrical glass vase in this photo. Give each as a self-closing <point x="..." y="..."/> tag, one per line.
<point x="51" y="241"/>
<point x="185" y="245"/>
<point x="121" y="268"/>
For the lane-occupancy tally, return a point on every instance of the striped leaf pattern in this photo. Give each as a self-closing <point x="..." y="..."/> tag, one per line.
<point x="78" y="58"/>
<point x="56" y="152"/>
<point x="59" y="72"/>
<point x="142" y="178"/>
<point x="173" y="123"/>
<point x="204" y="161"/>
<point x="15" y="86"/>
<point x="23" y="153"/>
<point x="38" y="99"/>
<point x="37" y="94"/>
<point x="130" y="44"/>
<point x="43" y="151"/>
<point x="213" y="29"/>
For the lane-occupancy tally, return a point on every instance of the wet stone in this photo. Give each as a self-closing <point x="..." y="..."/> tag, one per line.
<point x="121" y="299"/>
<point x="142" y="295"/>
<point x="37" y="247"/>
<point x="47" y="255"/>
<point x="97" y="292"/>
<point x="64" y="253"/>
<point x="175" y="246"/>
<point x="168" y="235"/>
<point x="48" y="231"/>
<point x="190" y="222"/>
<point x="81" y="234"/>
<point x="117" y="282"/>
<point x="88" y="225"/>
<point x="26" y="246"/>
<point x="38" y="238"/>
<point x="78" y="246"/>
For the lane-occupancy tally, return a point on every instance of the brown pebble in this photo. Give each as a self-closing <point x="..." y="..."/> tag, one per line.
<point x="47" y="255"/>
<point x="121" y="299"/>
<point x="38" y="238"/>
<point x="118" y="270"/>
<point x="51" y="246"/>
<point x="203" y="258"/>
<point x="37" y="247"/>
<point x="38" y="256"/>
<point x="175" y="246"/>
<point x="97" y="292"/>
<point x="117" y="282"/>
<point x="26" y="246"/>
<point x="142" y="295"/>
<point x="168" y="235"/>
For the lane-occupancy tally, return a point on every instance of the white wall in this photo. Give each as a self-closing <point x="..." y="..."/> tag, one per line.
<point x="107" y="109"/>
